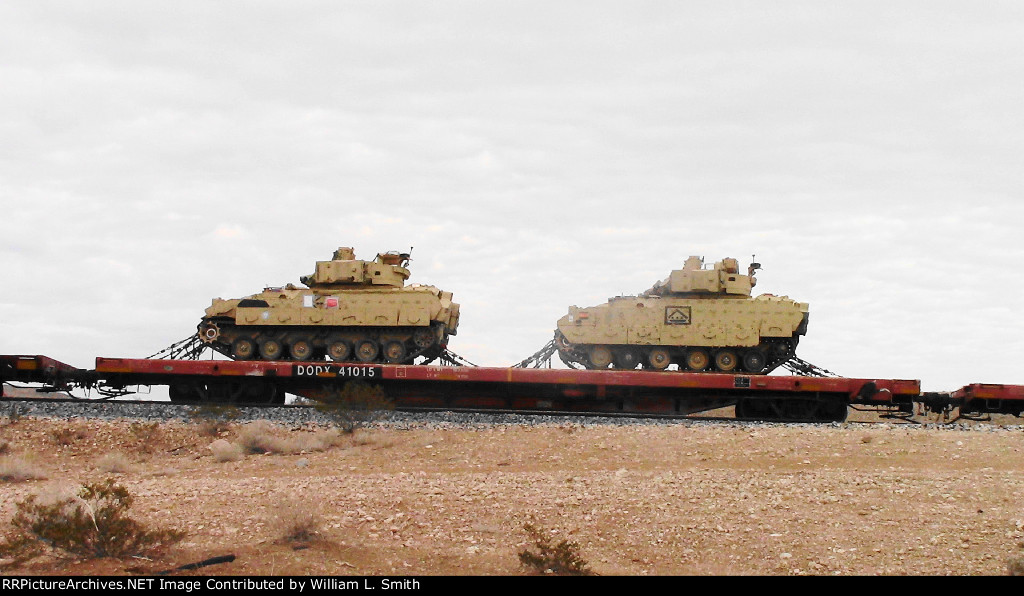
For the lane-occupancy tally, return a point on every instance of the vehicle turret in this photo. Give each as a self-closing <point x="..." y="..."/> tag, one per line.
<point x="388" y="269"/>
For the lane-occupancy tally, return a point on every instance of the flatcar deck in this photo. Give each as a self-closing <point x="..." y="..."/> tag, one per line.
<point x="613" y="390"/>
<point x="680" y="393"/>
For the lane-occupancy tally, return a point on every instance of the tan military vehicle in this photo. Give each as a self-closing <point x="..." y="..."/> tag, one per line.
<point x="698" y="319"/>
<point x="351" y="310"/>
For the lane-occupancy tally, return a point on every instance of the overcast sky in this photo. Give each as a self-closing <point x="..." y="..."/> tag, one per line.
<point x="536" y="155"/>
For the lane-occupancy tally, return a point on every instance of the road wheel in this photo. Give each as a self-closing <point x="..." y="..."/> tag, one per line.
<point x="726" y="361"/>
<point x="394" y="351"/>
<point x="600" y="356"/>
<point x="271" y="349"/>
<point x="697" y="359"/>
<point x="243" y="348"/>
<point x="367" y="350"/>
<point x="627" y="358"/>
<point x="339" y="350"/>
<point x="753" y="361"/>
<point x="301" y="349"/>
<point x="659" y="359"/>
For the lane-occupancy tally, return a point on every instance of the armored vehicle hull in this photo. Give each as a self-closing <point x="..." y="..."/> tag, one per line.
<point x="352" y="310"/>
<point x="701" y="320"/>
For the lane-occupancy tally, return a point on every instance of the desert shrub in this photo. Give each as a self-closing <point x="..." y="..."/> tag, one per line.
<point x="214" y="419"/>
<point x="114" y="463"/>
<point x="318" y="441"/>
<point x="560" y="559"/>
<point x="92" y="523"/>
<point x="296" y="523"/>
<point x="13" y="413"/>
<point x="146" y="434"/>
<point x="16" y="469"/>
<point x="224" y="451"/>
<point x="1015" y="565"/>
<point x="260" y="437"/>
<point x="355" y="405"/>
<point x="67" y="435"/>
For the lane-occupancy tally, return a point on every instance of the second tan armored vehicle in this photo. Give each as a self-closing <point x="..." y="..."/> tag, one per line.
<point x="700" y="319"/>
<point x="351" y="310"/>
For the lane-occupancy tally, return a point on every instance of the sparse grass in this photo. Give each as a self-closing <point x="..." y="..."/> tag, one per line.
<point x="355" y="405"/>
<point x="561" y="559"/>
<point x="261" y="437"/>
<point x="92" y="523"/>
<point x="114" y="463"/>
<point x="17" y="469"/>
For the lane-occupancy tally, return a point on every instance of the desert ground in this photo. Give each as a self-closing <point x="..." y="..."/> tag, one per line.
<point x="683" y="498"/>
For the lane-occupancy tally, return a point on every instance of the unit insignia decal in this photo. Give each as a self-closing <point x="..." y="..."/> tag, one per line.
<point x="677" y="315"/>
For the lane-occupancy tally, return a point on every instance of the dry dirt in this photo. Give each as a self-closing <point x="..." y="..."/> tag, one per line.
<point x="640" y="500"/>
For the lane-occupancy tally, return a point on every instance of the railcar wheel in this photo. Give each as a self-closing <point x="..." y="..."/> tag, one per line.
<point x="243" y="348"/>
<point x="600" y="356"/>
<point x="301" y="349"/>
<point x="627" y="358"/>
<point x="271" y="349"/>
<point x="394" y="351"/>
<point x="725" y="360"/>
<point x="339" y="350"/>
<point x="367" y="350"/>
<point x="659" y="358"/>
<point x="754" y="361"/>
<point x="181" y="393"/>
<point x="697" y="359"/>
<point x="834" y="410"/>
<point x="262" y="393"/>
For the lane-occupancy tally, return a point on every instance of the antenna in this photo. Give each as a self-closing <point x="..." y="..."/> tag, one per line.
<point x="754" y="265"/>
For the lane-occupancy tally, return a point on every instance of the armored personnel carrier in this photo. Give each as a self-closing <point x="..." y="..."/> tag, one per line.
<point x="700" y="319"/>
<point x="350" y="310"/>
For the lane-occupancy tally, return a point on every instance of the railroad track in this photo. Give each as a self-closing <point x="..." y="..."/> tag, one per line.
<point x="143" y="409"/>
